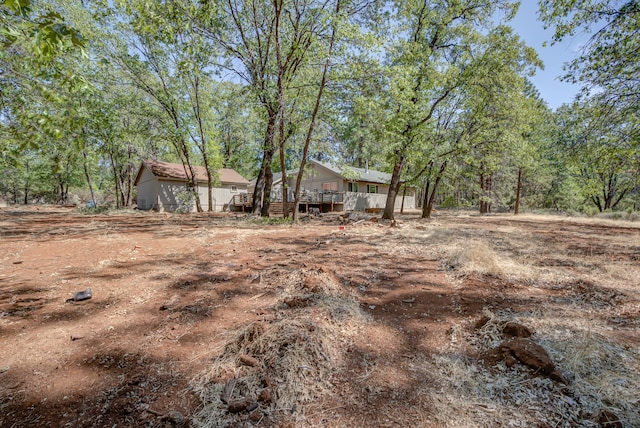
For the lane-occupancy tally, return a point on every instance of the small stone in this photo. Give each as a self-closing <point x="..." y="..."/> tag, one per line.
<point x="248" y="360"/>
<point x="514" y="329"/>
<point x="238" y="406"/>
<point x="256" y="415"/>
<point x="265" y="396"/>
<point x="266" y="380"/>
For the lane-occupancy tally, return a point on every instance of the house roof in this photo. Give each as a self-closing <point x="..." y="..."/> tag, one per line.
<point x="346" y="172"/>
<point x="177" y="171"/>
<point x="357" y="174"/>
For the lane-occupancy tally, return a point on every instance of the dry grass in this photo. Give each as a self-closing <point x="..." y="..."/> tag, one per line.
<point x="298" y="353"/>
<point x="587" y="297"/>
<point x="603" y="373"/>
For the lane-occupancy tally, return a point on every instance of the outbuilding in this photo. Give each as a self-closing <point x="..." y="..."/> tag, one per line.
<point x="164" y="186"/>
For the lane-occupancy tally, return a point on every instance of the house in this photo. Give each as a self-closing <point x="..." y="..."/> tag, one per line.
<point x="162" y="184"/>
<point x="343" y="188"/>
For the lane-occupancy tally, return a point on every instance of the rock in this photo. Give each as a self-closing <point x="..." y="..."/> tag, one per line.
<point x="607" y="419"/>
<point x="298" y="302"/>
<point x="256" y="415"/>
<point x="238" y="406"/>
<point x="528" y="353"/>
<point x="267" y="381"/>
<point x="248" y="360"/>
<point x="82" y="295"/>
<point x="514" y="329"/>
<point x="265" y="396"/>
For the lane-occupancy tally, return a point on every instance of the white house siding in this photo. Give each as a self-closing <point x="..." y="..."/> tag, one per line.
<point x="409" y="202"/>
<point x="221" y="196"/>
<point x="168" y="191"/>
<point x="360" y="201"/>
<point x="316" y="176"/>
<point x="147" y="190"/>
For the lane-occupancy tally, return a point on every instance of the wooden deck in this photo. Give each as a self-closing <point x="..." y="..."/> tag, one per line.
<point x="324" y="202"/>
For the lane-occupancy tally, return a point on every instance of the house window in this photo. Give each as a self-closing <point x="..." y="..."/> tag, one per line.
<point x="353" y="187"/>
<point x="331" y="186"/>
<point x="234" y="189"/>
<point x="372" y="188"/>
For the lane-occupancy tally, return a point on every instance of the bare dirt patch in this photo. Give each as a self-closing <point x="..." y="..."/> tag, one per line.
<point x="221" y="320"/>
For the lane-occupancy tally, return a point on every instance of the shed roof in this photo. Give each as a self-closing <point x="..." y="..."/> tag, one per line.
<point x="177" y="171"/>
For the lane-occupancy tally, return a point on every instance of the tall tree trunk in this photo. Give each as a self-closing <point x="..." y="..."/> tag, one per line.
<point x="404" y="194"/>
<point x="87" y="176"/>
<point x="268" y="182"/>
<point x="117" y="181"/>
<point x="278" y="4"/>
<point x="259" y="192"/>
<point x="26" y="184"/>
<point x="195" y="106"/>
<point x="129" y="176"/>
<point x="483" y="202"/>
<point x="26" y="192"/>
<point x="314" y="115"/>
<point x="394" y="186"/>
<point x="207" y="166"/>
<point x="516" y="208"/>
<point x="430" y="194"/>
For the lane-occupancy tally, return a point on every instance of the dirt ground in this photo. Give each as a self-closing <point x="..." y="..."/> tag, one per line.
<point x="170" y="293"/>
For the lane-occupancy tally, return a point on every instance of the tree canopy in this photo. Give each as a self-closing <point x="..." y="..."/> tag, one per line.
<point x="434" y="93"/>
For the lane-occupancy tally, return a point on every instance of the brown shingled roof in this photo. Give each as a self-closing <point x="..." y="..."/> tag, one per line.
<point x="177" y="171"/>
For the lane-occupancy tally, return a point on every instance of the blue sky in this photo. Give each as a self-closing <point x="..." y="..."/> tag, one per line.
<point x="533" y="33"/>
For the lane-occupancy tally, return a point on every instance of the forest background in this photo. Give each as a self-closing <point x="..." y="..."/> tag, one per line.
<point x="436" y="93"/>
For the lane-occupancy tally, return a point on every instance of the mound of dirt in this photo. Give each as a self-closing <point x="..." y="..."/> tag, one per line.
<point x="277" y="371"/>
<point x="527" y="352"/>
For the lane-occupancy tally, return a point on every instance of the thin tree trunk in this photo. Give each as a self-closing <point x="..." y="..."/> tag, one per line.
<point x="483" y="203"/>
<point x="277" y="4"/>
<point x="129" y="174"/>
<point x="117" y="181"/>
<point x="88" y="177"/>
<point x="268" y="182"/>
<point x="393" y="188"/>
<point x="26" y="184"/>
<point x="430" y="197"/>
<point x="259" y="192"/>
<point x="314" y="115"/>
<point x="516" y="208"/>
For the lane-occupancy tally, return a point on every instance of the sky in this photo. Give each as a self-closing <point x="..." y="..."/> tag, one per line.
<point x="533" y="33"/>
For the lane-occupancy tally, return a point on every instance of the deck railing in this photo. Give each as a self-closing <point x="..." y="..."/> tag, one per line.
<point x="322" y="197"/>
<point x="314" y="198"/>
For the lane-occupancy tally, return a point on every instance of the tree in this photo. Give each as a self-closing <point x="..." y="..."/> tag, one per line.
<point x="603" y="147"/>
<point x="268" y="45"/>
<point x="610" y="62"/>
<point x="237" y="125"/>
<point x="171" y="66"/>
<point x="428" y="61"/>
<point x="36" y="28"/>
